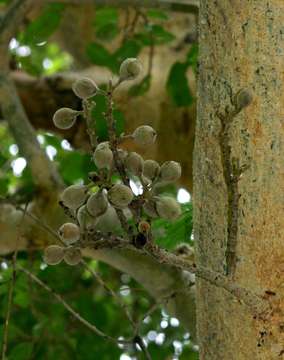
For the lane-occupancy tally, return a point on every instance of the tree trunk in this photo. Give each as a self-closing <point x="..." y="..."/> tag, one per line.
<point x="241" y="46"/>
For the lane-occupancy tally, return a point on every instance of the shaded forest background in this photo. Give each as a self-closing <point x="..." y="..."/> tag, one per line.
<point x="56" y="44"/>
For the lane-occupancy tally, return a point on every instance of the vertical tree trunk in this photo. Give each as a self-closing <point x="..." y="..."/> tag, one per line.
<point x="241" y="46"/>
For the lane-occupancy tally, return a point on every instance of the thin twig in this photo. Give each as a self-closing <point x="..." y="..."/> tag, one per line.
<point x="11" y="291"/>
<point x="60" y="299"/>
<point x="109" y="290"/>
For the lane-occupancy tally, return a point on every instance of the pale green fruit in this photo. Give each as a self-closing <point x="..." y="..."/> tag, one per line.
<point x="168" y="208"/>
<point x="103" y="156"/>
<point x="170" y="171"/>
<point x="122" y="154"/>
<point x="70" y="233"/>
<point x="243" y="98"/>
<point x="74" y="196"/>
<point x="53" y="254"/>
<point x="144" y="135"/>
<point x="120" y="196"/>
<point x="108" y="221"/>
<point x="65" y="118"/>
<point x="97" y="204"/>
<point x="84" y="218"/>
<point x="72" y="256"/>
<point x="129" y="69"/>
<point x="151" y="169"/>
<point x="150" y="208"/>
<point x="84" y="88"/>
<point x="134" y="163"/>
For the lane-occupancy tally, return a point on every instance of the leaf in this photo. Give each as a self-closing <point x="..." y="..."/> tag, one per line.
<point x="21" y="351"/>
<point x="43" y="26"/>
<point x="99" y="55"/>
<point x="100" y="122"/>
<point x="106" y="15"/>
<point x="107" y="32"/>
<point x="192" y="57"/>
<point x="119" y="122"/>
<point x="141" y="88"/>
<point x="154" y="34"/>
<point x="74" y="166"/>
<point x="161" y="36"/>
<point x="177" y="85"/>
<point x="106" y="23"/>
<point x="157" y="14"/>
<point x="169" y="234"/>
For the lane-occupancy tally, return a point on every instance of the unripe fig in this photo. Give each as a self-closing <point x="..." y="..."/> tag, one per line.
<point x="170" y="171"/>
<point x="122" y="154"/>
<point x="168" y="208"/>
<point x="53" y="254"/>
<point x="144" y="227"/>
<point x="134" y="163"/>
<point x="144" y="135"/>
<point x="108" y="221"/>
<point x="129" y="69"/>
<point x="120" y="195"/>
<point x="72" y="256"/>
<point x="74" y="196"/>
<point x="150" y="208"/>
<point x="10" y="215"/>
<point x="70" y="233"/>
<point x="97" y="204"/>
<point x="84" y="88"/>
<point x="243" y="98"/>
<point x="65" y="118"/>
<point x="103" y="156"/>
<point x="151" y="169"/>
<point x="84" y="218"/>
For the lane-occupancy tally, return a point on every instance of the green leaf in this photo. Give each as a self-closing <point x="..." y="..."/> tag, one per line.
<point x="142" y="87"/>
<point x="99" y="55"/>
<point x="106" y="23"/>
<point x="169" y="234"/>
<point x="74" y="166"/>
<point x="177" y="85"/>
<point x="21" y="351"/>
<point x="155" y="34"/>
<point x="157" y="14"/>
<point x="100" y="122"/>
<point x="43" y="26"/>
<point x="129" y="49"/>
<point x="107" y="32"/>
<point x="4" y="185"/>
<point x="106" y="15"/>
<point x="119" y="122"/>
<point x="192" y="57"/>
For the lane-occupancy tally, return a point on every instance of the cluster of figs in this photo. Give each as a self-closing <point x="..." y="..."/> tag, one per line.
<point x="95" y="205"/>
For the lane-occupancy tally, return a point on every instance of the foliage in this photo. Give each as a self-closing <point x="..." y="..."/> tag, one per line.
<point x="177" y="84"/>
<point x="40" y="328"/>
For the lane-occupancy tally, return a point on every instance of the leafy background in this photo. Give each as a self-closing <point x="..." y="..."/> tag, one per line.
<point x="40" y="328"/>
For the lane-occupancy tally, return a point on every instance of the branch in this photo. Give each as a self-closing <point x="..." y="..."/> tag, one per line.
<point x="11" y="290"/>
<point x="43" y="171"/>
<point x="184" y="6"/>
<point x="60" y="299"/>
<point x="160" y="280"/>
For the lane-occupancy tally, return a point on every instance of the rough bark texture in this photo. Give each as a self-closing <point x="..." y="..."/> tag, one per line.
<point x="241" y="46"/>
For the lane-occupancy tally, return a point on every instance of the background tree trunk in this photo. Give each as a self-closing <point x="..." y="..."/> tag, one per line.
<point x="241" y="46"/>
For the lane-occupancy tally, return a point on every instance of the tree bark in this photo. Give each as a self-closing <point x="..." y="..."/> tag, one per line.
<point x="241" y="46"/>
